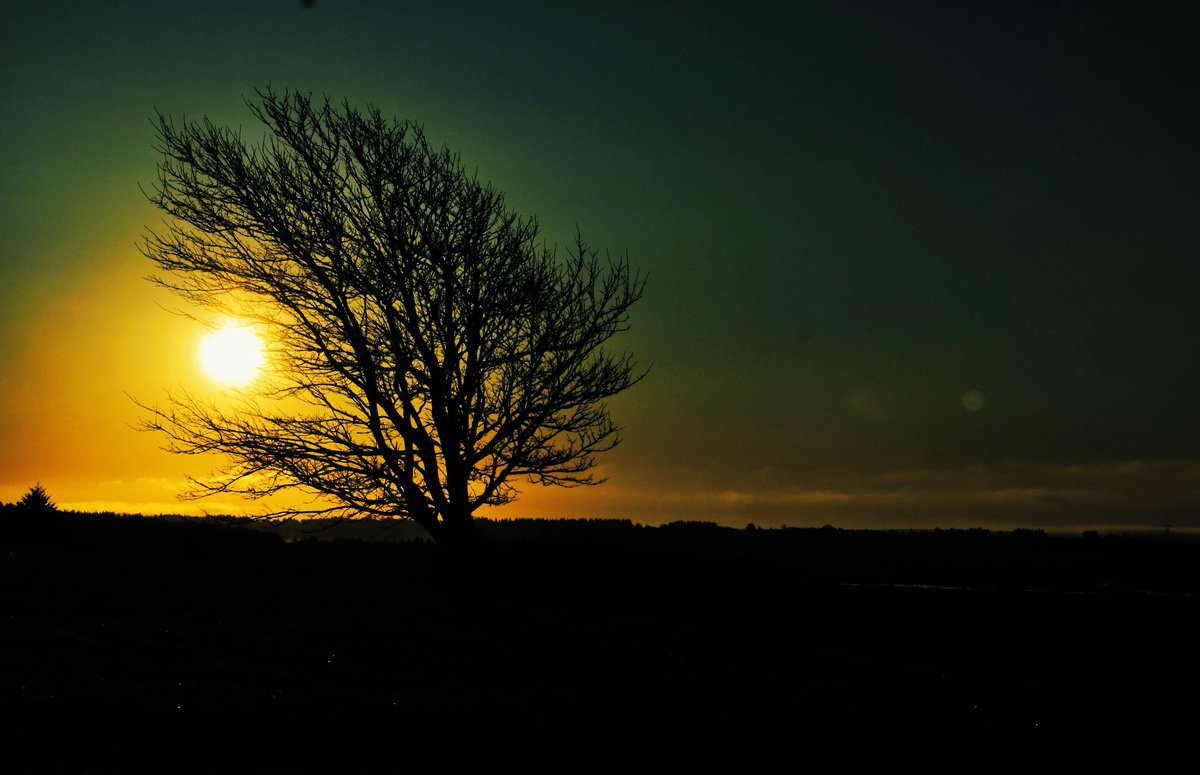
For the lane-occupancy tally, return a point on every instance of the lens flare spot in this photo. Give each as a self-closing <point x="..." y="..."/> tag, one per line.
<point x="973" y="401"/>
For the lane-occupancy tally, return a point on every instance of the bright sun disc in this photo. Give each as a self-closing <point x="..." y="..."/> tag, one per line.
<point x="232" y="355"/>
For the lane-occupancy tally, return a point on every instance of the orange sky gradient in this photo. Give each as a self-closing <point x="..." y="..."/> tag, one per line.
<point x="906" y="269"/>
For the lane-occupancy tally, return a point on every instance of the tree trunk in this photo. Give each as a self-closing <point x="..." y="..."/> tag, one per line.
<point x="456" y="530"/>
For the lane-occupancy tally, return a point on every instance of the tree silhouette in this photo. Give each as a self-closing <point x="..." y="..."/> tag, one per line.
<point x="37" y="500"/>
<point x="428" y="349"/>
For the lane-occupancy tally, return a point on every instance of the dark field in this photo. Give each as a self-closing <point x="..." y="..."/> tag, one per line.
<point x="601" y="628"/>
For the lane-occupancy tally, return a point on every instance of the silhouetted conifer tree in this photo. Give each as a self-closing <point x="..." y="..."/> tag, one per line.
<point x="37" y="500"/>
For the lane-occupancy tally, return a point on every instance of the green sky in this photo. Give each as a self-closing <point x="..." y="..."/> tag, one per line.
<point x="910" y="263"/>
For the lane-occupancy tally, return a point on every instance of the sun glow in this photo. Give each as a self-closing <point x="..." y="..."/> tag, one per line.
<point x="232" y="355"/>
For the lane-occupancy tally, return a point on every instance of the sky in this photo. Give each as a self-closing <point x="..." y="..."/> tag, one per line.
<point x="910" y="264"/>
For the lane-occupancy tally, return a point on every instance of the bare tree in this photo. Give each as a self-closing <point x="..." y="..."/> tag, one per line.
<point x="429" y="349"/>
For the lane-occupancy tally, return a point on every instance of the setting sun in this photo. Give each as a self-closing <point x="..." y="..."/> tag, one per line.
<point x="232" y="355"/>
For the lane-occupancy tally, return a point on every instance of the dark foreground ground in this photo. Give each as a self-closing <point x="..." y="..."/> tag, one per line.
<point x="138" y="627"/>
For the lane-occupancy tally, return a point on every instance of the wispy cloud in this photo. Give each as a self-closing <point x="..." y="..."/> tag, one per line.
<point x="1012" y="494"/>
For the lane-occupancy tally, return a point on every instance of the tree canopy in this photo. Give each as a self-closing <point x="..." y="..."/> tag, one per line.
<point x="429" y="350"/>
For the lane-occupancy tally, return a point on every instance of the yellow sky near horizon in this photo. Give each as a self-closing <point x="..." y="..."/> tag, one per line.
<point x="935" y="268"/>
<point x="90" y="348"/>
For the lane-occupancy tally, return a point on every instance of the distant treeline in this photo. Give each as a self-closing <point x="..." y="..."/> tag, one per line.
<point x="976" y="557"/>
<point x="538" y="530"/>
<point x="567" y="530"/>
